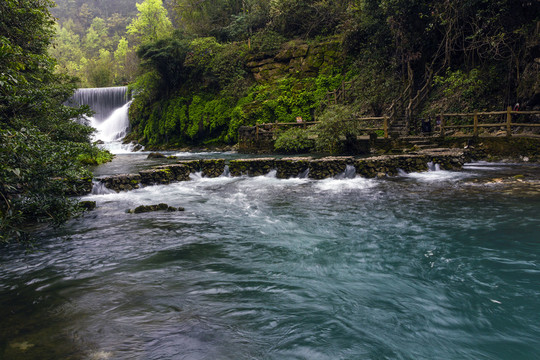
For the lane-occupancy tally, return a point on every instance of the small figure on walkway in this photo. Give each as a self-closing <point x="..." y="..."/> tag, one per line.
<point x="516" y="107"/>
<point x="426" y="126"/>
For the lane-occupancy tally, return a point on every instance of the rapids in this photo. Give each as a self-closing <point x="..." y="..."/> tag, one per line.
<point x="438" y="265"/>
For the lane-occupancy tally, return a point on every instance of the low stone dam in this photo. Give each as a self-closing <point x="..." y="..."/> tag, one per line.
<point x="290" y="167"/>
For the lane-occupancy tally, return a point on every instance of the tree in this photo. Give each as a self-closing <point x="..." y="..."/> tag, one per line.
<point x="167" y="58"/>
<point x="97" y="37"/>
<point x="151" y="22"/>
<point x="39" y="139"/>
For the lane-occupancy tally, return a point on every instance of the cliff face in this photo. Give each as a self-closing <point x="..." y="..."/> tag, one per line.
<point x="296" y="57"/>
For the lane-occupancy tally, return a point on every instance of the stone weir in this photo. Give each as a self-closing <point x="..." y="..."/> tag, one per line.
<point x="322" y="168"/>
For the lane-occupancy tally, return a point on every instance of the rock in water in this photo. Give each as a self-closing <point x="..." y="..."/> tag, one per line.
<point x="151" y="208"/>
<point x="88" y="205"/>
<point x="156" y="155"/>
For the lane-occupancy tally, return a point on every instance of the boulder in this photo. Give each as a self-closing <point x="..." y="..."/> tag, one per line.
<point x="87" y="205"/>
<point x="151" y="208"/>
<point x="156" y="155"/>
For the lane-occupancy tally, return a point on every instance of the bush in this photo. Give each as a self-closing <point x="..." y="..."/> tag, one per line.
<point x="31" y="165"/>
<point x="335" y="126"/>
<point x="267" y="42"/>
<point x="294" y="140"/>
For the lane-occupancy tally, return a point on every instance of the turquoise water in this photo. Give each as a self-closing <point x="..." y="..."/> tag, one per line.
<point x="440" y="265"/>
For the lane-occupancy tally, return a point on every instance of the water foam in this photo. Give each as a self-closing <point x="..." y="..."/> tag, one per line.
<point x="339" y="185"/>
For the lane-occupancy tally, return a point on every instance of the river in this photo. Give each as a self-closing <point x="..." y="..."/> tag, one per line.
<point x="435" y="265"/>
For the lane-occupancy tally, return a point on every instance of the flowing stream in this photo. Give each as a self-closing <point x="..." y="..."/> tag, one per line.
<point x="435" y="265"/>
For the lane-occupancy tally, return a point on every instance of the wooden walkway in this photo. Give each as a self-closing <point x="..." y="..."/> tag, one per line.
<point x="450" y="124"/>
<point x="448" y="121"/>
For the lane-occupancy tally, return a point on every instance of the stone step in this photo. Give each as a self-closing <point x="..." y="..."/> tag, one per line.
<point x="427" y="146"/>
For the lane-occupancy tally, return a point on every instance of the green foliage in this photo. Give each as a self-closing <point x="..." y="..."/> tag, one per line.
<point x="206" y="18"/>
<point x="198" y="85"/>
<point x="84" y="32"/>
<point x="458" y="82"/>
<point x="465" y="91"/>
<point x="307" y="18"/>
<point x="91" y="155"/>
<point x="294" y="141"/>
<point x="229" y="70"/>
<point x="39" y="139"/>
<point x="151" y="23"/>
<point x="215" y="97"/>
<point x="267" y="42"/>
<point x="335" y="125"/>
<point x="166" y="57"/>
<point x="374" y="87"/>
<point x="202" y="51"/>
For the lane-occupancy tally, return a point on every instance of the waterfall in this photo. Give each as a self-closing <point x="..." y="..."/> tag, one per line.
<point x="115" y="127"/>
<point x="103" y="101"/>
<point x="110" y="106"/>
<point x="433" y="167"/>
<point x="349" y="173"/>
<point x="304" y="174"/>
<point x="226" y="172"/>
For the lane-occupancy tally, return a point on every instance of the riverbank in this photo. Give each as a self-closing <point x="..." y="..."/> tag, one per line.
<point x="481" y="148"/>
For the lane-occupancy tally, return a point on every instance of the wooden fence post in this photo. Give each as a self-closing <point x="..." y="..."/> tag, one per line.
<point x="475" y="133"/>
<point x="509" y="121"/>
<point x="257" y="132"/>
<point x="386" y="127"/>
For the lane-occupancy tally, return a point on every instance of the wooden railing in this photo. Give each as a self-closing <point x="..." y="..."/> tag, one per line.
<point x="339" y="95"/>
<point x="476" y="125"/>
<point x="304" y="124"/>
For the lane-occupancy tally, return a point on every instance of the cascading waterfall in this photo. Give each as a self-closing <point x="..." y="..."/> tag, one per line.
<point x="349" y="173"/>
<point x="433" y="167"/>
<point x="115" y="127"/>
<point x="103" y="101"/>
<point x="110" y="106"/>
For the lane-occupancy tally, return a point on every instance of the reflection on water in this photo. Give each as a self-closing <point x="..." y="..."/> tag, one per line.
<point x="420" y="266"/>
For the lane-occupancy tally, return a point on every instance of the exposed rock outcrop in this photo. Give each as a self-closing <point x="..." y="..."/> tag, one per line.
<point x="297" y="56"/>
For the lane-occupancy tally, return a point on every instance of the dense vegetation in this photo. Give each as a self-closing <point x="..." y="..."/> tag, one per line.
<point x="404" y="59"/>
<point x="90" y="37"/>
<point x="203" y="68"/>
<point x="41" y="146"/>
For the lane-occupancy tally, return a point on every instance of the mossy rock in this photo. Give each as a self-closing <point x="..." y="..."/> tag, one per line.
<point x="88" y="205"/>
<point x="156" y="155"/>
<point x="152" y="208"/>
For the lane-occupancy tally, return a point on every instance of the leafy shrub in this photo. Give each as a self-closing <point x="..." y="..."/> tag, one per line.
<point x="460" y="90"/>
<point x="31" y="164"/>
<point x="266" y="41"/>
<point x="335" y="125"/>
<point x="294" y="140"/>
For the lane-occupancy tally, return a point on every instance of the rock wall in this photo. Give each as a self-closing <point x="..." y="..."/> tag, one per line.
<point x="294" y="57"/>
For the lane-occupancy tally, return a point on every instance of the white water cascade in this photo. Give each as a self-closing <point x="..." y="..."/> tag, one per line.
<point x="110" y="106"/>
